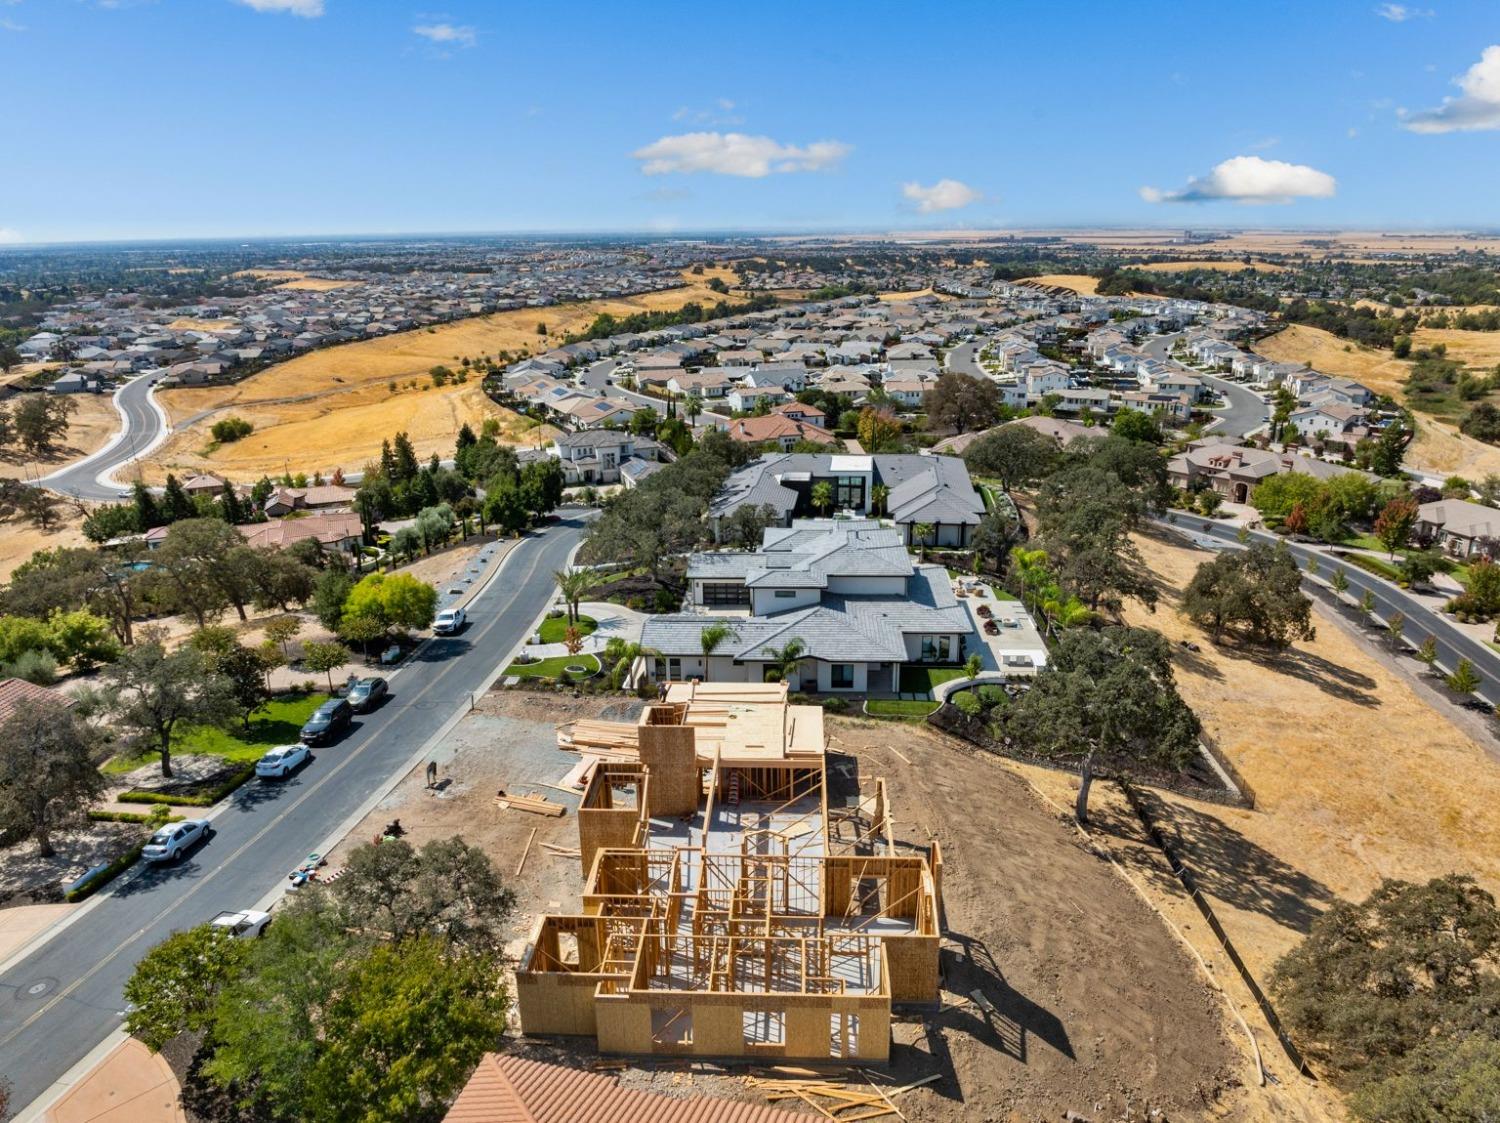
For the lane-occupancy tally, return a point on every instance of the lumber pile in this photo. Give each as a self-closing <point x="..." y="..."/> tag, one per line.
<point x="533" y="803"/>
<point x="611" y="740"/>
<point x="835" y="1100"/>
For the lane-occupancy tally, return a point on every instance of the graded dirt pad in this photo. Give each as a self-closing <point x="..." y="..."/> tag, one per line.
<point x="1097" y="1003"/>
<point x="1438" y="446"/>
<point x="1078" y="282"/>
<point x="1357" y="777"/>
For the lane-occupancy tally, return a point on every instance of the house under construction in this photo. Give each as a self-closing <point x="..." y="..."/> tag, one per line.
<point x="727" y="909"/>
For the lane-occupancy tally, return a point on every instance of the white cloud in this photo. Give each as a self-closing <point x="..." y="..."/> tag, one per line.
<point x="737" y="154"/>
<point x="9" y="236"/>
<point x="1400" y="13"/>
<point x="1250" y="179"/>
<point x="8" y="24"/>
<point x="447" y="34"/>
<point x="1477" y="108"/>
<point x="944" y="195"/>
<point x="305" y="8"/>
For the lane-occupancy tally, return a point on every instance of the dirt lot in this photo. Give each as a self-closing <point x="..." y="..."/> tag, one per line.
<point x="19" y="540"/>
<point x="1358" y="777"/>
<point x="1438" y="447"/>
<point x="1078" y="282"/>
<point x="1099" y="1005"/>
<point x="1479" y="349"/>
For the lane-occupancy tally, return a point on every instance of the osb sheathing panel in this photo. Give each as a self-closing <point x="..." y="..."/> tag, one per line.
<point x="604" y="830"/>
<point x="557" y="1004"/>
<point x="623" y="1027"/>
<point x="670" y="756"/>
<point x="913" y="965"/>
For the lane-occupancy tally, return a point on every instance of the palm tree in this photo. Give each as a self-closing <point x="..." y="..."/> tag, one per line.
<point x="822" y="496"/>
<point x="619" y="658"/>
<point x="920" y="534"/>
<point x="692" y="406"/>
<point x="878" y="495"/>
<point x="573" y="584"/>
<point x="712" y="637"/>
<point x="784" y="659"/>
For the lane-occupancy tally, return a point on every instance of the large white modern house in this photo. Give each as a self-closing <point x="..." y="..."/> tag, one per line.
<point x="927" y="491"/>
<point x="845" y="588"/>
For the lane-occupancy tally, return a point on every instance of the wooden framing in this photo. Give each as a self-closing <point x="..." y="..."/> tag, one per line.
<point x="716" y="921"/>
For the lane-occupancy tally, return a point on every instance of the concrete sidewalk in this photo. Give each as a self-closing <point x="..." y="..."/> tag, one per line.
<point x="130" y="1084"/>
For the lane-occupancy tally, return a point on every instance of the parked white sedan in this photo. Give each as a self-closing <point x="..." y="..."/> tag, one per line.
<point x="282" y="762"/>
<point x="243" y="925"/>
<point x="173" y="841"/>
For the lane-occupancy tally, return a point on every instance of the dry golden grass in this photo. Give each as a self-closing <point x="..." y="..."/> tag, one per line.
<point x="1356" y="777"/>
<point x="339" y="431"/>
<point x="1476" y="348"/>
<point x="319" y="284"/>
<point x="1438" y="446"/>
<point x="333" y="407"/>
<point x="1211" y="266"/>
<point x="93" y="423"/>
<point x="898" y="297"/>
<point x="19" y="540"/>
<point x="1326" y="352"/>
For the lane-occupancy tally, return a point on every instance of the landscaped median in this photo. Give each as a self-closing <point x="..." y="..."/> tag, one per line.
<point x="554" y="628"/>
<point x="577" y="666"/>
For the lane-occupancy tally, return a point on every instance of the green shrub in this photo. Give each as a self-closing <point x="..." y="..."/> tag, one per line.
<point x="993" y="696"/>
<point x="968" y="703"/>
<point x="231" y="429"/>
<point x="836" y="705"/>
<point x="36" y="667"/>
<point x="208" y="799"/>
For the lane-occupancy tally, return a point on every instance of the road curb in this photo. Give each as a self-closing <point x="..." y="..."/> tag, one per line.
<point x="345" y="828"/>
<point x="65" y="1083"/>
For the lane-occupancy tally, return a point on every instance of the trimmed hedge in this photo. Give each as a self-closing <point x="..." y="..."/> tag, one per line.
<point x="207" y="800"/>
<point x="107" y="874"/>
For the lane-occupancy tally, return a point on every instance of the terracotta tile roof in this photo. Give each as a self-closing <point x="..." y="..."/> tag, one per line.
<point x="507" y="1089"/>
<point x="14" y="691"/>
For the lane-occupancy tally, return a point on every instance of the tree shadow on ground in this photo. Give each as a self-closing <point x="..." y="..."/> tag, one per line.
<point x="1016" y="1019"/>
<point x="1224" y="864"/>
<point x="1331" y="678"/>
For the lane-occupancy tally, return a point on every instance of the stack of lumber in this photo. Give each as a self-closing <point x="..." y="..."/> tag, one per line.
<point x="533" y="803"/>
<point x="611" y="740"/>
<point x="835" y="1100"/>
<point x="577" y="778"/>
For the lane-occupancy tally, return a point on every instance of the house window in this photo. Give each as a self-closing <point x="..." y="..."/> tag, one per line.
<point x="725" y="594"/>
<point x="786" y="593"/>
<point x="668" y="670"/>
<point x="849" y="492"/>
<point x="841" y="676"/>
<point x="936" y="649"/>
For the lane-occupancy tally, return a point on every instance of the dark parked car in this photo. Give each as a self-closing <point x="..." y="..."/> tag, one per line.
<point x="368" y="693"/>
<point x="328" y="721"/>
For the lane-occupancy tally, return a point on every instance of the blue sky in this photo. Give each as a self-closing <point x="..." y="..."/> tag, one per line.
<point x="183" y="118"/>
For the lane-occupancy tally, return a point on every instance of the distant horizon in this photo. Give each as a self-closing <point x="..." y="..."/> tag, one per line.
<point x="709" y="233"/>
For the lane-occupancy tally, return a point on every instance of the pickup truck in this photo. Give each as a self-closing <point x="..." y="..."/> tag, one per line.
<point x="246" y="924"/>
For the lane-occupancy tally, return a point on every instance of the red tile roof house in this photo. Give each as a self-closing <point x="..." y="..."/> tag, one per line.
<point x="784" y="431"/>
<point x="507" y="1089"/>
<point x="14" y="691"/>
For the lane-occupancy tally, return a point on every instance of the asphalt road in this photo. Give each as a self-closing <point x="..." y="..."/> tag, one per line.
<point x="1245" y="412"/>
<point x="141" y="426"/>
<point x="965" y="359"/>
<point x="1421" y="620"/>
<point x="66" y="996"/>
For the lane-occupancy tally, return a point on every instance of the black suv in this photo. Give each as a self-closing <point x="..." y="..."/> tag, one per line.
<point x="327" y="721"/>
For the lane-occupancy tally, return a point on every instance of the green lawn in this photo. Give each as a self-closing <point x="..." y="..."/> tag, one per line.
<point x="898" y="707"/>
<point x="916" y="679"/>
<point x="554" y="626"/>
<point x="551" y="668"/>
<point x="280" y="723"/>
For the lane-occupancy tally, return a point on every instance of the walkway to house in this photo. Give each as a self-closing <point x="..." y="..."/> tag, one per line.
<point x="612" y="621"/>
